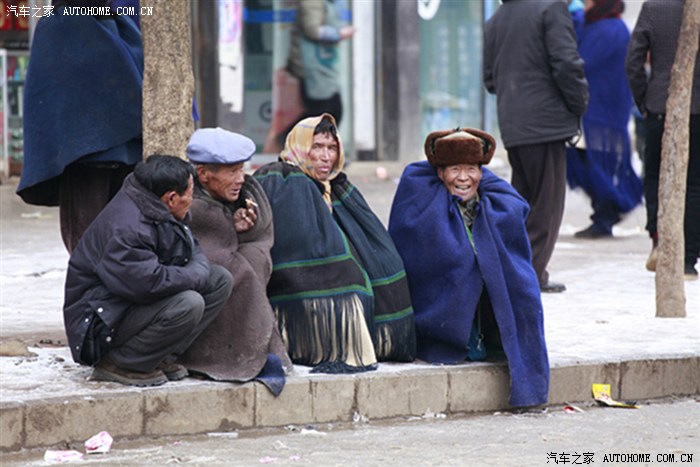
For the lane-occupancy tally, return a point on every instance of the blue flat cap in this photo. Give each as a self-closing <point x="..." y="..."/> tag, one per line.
<point x="218" y="146"/>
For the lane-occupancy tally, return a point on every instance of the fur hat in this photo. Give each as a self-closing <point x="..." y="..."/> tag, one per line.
<point x="459" y="146"/>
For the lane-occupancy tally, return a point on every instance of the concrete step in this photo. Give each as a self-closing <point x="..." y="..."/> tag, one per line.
<point x="394" y="390"/>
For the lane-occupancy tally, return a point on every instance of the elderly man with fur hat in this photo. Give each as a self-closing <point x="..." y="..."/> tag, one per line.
<point x="460" y="230"/>
<point x="232" y="219"/>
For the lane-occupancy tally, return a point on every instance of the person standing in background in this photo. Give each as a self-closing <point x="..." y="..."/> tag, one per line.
<point x="603" y="168"/>
<point x="313" y="58"/>
<point x="82" y="120"/>
<point x="532" y="64"/>
<point x="656" y="34"/>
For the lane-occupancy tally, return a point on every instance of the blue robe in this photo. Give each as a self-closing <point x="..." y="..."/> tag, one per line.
<point x="604" y="170"/>
<point x="82" y="99"/>
<point x="446" y="278"/>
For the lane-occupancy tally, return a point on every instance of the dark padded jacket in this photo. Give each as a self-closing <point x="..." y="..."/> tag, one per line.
<point x="656" y="32"/>
<point x="532" y="64"/>
<point x="135" y="252"/>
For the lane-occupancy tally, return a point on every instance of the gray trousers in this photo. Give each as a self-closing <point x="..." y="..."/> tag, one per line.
<point x="161" y="331"/>
<point x="539" y="175"/>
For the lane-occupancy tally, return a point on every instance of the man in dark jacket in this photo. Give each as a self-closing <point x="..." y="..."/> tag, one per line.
<point x="656" y="34"/>
<point x="138" y="289"/>
<point x="531" y="63"/>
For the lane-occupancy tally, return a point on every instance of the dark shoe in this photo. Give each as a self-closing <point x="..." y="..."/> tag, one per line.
<point x="593" y="232"/>
<point x="552" y="287"/>
<point x="106" y="370"/>
<point x="689" y="273"/>
<point x="173" y="371"/>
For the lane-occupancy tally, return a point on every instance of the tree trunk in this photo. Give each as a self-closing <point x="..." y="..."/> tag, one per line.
<point x="168" y="82"/>
<point x="670" y="292"/>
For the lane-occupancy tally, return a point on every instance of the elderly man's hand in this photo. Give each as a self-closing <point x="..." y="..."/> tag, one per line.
<point x="244" y="219"/>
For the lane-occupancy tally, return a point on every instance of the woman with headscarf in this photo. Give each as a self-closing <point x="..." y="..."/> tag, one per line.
<point x="338" y="285"/>
<point x="603" y="169"/>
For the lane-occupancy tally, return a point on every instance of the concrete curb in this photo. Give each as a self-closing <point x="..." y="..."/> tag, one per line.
<point x="407" y="391"/>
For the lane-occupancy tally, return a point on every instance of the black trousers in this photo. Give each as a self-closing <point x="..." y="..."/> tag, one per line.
<point x="539" y="175"/>
<point x="163" y="330"/>
<point x="84" y="190"/>
<point x="652" y="163"/>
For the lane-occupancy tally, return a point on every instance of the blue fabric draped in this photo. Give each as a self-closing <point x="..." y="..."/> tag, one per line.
<point x="604" y="171"/>
<point x="82" y="99"/>
<point x="272" y="375"/>
<point x="446" y="278"/>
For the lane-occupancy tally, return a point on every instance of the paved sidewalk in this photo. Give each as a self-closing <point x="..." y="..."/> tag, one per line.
<point x="602" y="329"/>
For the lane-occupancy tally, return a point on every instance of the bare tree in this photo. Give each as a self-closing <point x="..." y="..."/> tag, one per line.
<point x="168" y="81"/>
<point x="670" y="292"/>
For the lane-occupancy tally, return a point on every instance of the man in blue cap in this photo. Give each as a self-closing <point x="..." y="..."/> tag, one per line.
<point x="232" y="219"/>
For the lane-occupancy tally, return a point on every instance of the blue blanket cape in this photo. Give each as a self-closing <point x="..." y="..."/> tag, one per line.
<point x="446" y="278"/>
<point x="329" y="258"/>
<point x="82" y="99"/>
<point x="605" y="170"/>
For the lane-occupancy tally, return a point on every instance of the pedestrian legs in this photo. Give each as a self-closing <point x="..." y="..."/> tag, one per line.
<point x="539" y="175"/>
<point x="692" y="198"/>
<point x="84" y="190"/>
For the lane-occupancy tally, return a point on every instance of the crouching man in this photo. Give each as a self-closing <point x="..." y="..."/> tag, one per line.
<point x="138" y="288"/>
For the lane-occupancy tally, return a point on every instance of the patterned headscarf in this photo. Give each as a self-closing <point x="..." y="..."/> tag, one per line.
<point x="297" y="147"/>
<point x="602" y="9"/>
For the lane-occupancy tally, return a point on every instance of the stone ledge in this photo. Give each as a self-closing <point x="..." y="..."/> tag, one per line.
<point x="408" y="391"/>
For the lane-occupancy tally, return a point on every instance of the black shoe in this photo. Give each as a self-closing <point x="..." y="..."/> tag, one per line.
<point x="107" y="370"/>
<point x="552" y="287"/>
<point x="689" y="273"/>
<point x="173" y="371"/>
<point x="593" y="232"/>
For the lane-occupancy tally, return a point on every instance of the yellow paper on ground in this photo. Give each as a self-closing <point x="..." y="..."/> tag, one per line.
<point x="601" y="393"/>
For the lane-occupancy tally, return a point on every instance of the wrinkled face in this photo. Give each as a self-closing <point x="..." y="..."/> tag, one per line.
<point x="177" y="204"/>
<point x="461" y="180"/>
<point x="323" y="155"/>
<point x="223" y="182"/>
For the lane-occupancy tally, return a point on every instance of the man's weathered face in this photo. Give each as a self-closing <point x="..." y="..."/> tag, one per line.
<point x="178" y="204"/>
<point x="223" y="182"/>
<point x="461" y="180"/>
<point x="323" y="155"/>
